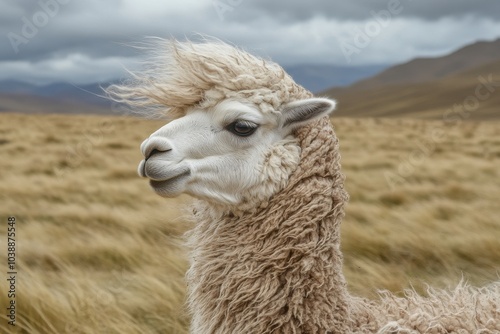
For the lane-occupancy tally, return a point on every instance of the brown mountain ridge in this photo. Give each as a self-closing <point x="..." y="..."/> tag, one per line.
<point x="464" y="84"/>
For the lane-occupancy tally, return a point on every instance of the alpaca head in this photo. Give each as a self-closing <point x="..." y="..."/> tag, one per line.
<point x="233" y="115"/>
<point x="229" y="153"/>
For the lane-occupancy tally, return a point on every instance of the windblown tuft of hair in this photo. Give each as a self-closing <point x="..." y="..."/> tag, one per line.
<point x="464" y="309"/>
<point x="179" y="75"/>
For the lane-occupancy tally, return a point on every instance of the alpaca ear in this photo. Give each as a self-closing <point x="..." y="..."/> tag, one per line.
<point x="301" y="112"/>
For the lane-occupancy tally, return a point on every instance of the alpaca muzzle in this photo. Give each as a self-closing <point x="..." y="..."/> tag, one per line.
<point x="160" y="164"/>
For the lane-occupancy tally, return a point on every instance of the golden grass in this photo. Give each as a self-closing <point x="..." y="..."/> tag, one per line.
<point x="99" y="252"/>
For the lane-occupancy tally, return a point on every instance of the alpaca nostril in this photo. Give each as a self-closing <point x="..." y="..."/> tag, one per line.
<point x="155" y="145"/>
<point x="155" y="151"/>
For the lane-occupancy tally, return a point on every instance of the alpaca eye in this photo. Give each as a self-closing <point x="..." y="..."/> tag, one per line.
<point x="242" y="128"/>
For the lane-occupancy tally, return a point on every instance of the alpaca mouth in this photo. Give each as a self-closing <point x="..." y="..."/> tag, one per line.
<point x="166" y="181"/>
<point x="161" y="171"/>
<point x="170" y="186"/>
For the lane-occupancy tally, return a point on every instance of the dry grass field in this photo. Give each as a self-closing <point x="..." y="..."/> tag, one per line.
<point x="99" y="252"/>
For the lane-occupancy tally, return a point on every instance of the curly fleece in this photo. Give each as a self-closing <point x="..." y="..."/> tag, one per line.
<point x="276" y="266"/>
<point x="180" y="75"/>
<point x="465" y="309"/>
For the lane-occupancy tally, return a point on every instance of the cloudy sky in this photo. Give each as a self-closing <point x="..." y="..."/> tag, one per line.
<point x="85" y="41"/>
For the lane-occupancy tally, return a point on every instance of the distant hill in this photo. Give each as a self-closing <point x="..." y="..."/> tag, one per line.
<point x="28" y="103"/>
<point x="428" y="69"/>
<point x="62" y="97"/>
<point x="62" y="91"/>
<point x="16" y="96"/>
<point x="428" y="88"/>
<point x="317" y="78"/>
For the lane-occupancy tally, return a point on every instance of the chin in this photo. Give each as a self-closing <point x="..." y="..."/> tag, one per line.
<point x="169" y="188"/>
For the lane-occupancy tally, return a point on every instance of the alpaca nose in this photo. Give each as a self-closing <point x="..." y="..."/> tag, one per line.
<point x="154" y="145"/>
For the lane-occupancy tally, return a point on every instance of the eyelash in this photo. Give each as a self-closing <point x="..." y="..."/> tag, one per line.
<point x="242" y="128"/>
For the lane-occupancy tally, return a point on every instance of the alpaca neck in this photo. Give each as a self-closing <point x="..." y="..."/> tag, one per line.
<point x="276" y="269"/>
<point x="250" y="274"/>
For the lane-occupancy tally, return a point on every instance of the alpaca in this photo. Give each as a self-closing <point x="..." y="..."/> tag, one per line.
<point x="260" y="156"/>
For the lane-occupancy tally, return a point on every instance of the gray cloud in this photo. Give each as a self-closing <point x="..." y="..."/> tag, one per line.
<point x="92" y="34"/>
<point x="297" y="10"/>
